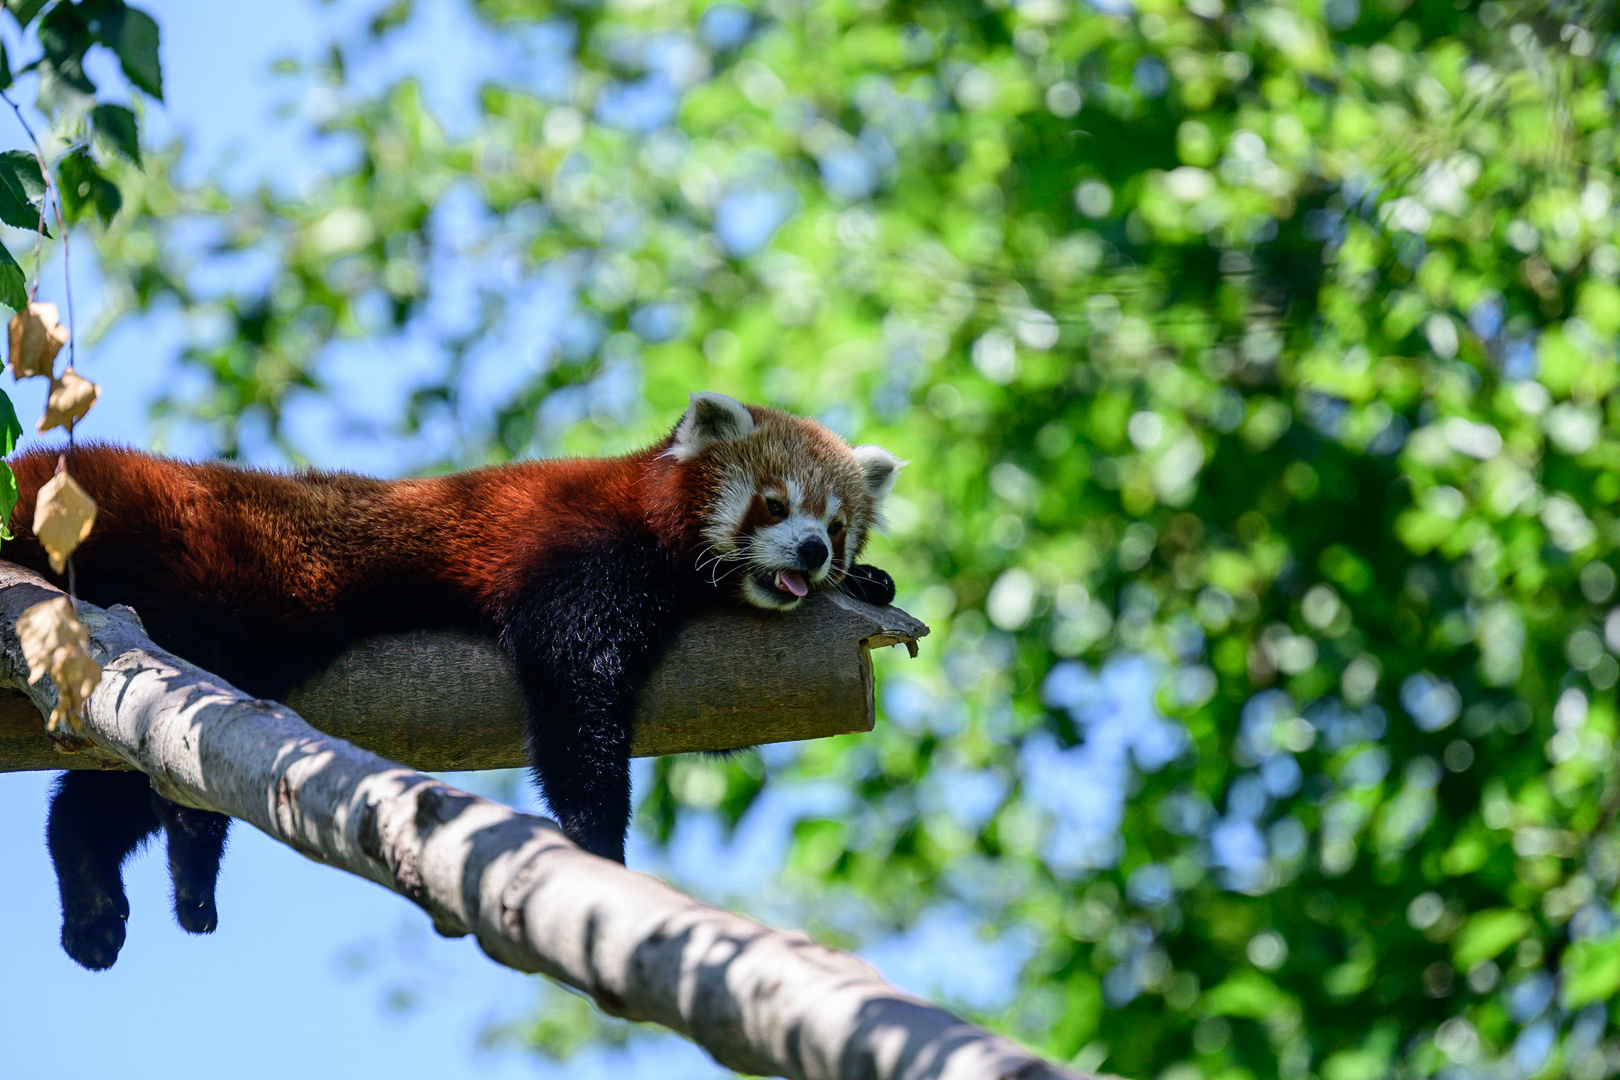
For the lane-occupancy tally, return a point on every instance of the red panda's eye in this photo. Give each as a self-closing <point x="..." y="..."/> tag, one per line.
<point x="834" y="528"/>
<point x="775" y="507"/>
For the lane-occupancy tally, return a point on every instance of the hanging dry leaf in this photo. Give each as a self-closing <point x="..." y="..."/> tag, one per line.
<point x="56" y="643"/>
<point x="71" y="397"/>
<point x="46" y="627"/>
<point x="36" y="338"/>
<point x="76" y="677"/>
<point x="63" y="514"/>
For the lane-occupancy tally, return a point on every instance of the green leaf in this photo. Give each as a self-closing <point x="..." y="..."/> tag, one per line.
<point x="395" y="14"/>
<point x="23" y="166"/>
<point x="1082" y="1011"/>
<point x="22" y="191"/>
<point x="13" y="282"/>
<point x="24" y="10"/>
<point x="1249" y="994"/>
<point x="117" y="125"/>
<point x="1591" y="971"/>
<point x="84" y="189"/>
<point x="5" y="68"/>
<point x="1487" y="934"/>
<point x="10" y="432"/>
<point x="10" y="427"/>
<point x="65" y="37"/>
<point x="135" y="40"/>
<point x="8" y="486"/>
<point x="1368" y="1061"/>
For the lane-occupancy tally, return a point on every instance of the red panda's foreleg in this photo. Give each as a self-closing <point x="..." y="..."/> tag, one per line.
<point x="584" y="635"/>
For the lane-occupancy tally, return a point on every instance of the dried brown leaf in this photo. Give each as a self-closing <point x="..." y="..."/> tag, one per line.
<point x="46" y="627"/>
<point x="71" y="397"/>
<point x="56" y="643"/>
<point x="36" y="337"/>
<point x="63" y="515"/>
<point x="76" y="677"/>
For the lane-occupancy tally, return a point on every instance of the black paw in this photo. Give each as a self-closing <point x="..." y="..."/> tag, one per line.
<point x="94" y="942"/>
<point x="870" y="584"/>
<point x="196" y="915"/>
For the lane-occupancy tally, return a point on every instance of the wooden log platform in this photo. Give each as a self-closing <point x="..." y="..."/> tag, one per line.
<point x="444" y="700"/>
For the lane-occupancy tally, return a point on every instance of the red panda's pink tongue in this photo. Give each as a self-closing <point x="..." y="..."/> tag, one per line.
<point x="791" y="581"/>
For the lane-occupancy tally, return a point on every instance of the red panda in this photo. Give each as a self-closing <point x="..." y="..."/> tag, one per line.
<point x="581" y="568"/>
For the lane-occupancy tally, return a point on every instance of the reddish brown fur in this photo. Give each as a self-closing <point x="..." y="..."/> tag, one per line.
<point x="286" y="555"/>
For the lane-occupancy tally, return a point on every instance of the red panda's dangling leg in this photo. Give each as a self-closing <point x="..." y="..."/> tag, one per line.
<point x="97" y="820"/>
<point x="196" y="845"/>
<point x="584" y="635"/>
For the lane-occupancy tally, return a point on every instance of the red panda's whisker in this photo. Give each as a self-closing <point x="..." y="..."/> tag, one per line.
<point x="711" y="558"/>
<point x="715" y="575"/>
<point x="707" y="556"/>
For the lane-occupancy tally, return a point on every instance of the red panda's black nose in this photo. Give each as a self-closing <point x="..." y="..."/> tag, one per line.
<point x="812" y="553"/>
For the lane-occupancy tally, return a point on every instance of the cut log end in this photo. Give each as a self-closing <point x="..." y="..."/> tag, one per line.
<point x="445" y="700"/>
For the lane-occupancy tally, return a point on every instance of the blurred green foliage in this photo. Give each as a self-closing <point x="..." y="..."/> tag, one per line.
<point x="1256" y="365"/>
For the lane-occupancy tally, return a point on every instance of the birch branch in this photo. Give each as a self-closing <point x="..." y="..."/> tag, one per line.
<point x="440" y="700"/>
<point x="760" y="1001"/>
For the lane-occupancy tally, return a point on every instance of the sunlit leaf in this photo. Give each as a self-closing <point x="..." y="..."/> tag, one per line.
<point x="63" y="516"/>
<point x="13" y="282"/>
<point x="133" y="35"/>
<point x="1487" y="934"/>
<point x="10" y="428"/>
<point x="35" y="336"/>
<point x="22" y="191"/>
<point x="1591" y="971"/>
<point x="10" y="432"/>
<point x="70" y="398"/>
<point x="55" y="643"/>
<point x="85" y="189"/>
<point x="8" y="499"/>
<point x="65" y="37"/>
<point x="117" y="125"/>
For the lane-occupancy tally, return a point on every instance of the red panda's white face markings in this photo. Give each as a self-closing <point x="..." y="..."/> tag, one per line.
<point x="791" y="503"/>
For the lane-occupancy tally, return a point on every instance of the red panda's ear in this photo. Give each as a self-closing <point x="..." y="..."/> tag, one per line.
<point x="710" y="418"/>
<point x="879" y="468"/>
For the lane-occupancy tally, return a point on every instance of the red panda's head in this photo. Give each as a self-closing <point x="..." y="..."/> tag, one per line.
<point x="788" y="505"/>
